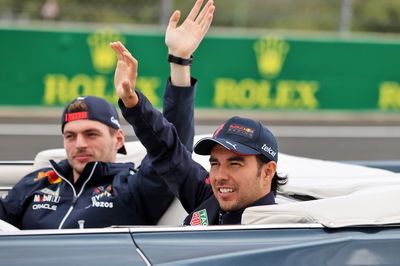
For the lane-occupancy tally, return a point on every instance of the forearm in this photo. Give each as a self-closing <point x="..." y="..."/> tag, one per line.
<point x="168" y="157"/>
<point x="157" y="135"/>
<point x="179" y="110"/>
<point x="180" y="75"/>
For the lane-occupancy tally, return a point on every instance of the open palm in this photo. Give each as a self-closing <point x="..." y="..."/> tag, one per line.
<point x="126" y="71"/>
<point x="182" y="41"/>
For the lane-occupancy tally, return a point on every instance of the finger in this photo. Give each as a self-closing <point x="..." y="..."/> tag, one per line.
<point x="120" y="49"/>
<point x="114" y="46"/>
<point x="206" y="27"/>
<point x="204" y="11"/>
<point x="204" y="16"/>
<point x="195" y="10"/>
<point x="123" y="53"/>
<point x="130" y="59"/>
<point x="174" y="19"/>
<point x="205" y="23"/>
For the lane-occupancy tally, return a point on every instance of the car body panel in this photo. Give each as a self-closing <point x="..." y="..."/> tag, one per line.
<point x="213" y="245"/>
<point x="69" y="248"/>
<point x="274" y="246"/>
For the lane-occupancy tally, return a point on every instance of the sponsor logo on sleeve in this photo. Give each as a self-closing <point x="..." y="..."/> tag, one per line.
<point x="51" y="176"/>
<point x="199" y="218"/>
<point x="102" y="197"/>
<point x="46" y="199"/>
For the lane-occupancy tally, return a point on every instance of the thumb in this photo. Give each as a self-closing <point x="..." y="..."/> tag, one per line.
<point x="173" y="21"/>
<point x="126" y="86"/>
<point x="128" y="95"/>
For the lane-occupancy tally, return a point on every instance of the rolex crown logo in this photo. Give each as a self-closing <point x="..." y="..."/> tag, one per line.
<point x="270" y="53"/>
<point x="103" y="57"/>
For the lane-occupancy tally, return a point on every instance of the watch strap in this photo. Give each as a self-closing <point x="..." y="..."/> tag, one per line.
<point x="180" y="60"/>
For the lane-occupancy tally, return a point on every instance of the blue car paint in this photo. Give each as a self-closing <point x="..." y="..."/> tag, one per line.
<point x="69" y="249"/>
<point x="304" y="246"/>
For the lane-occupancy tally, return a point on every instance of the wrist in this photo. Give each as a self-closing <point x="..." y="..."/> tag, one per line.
<point x="180" y="53"/>
<point x="130" y="101"/>
<point x="180" y="60"/>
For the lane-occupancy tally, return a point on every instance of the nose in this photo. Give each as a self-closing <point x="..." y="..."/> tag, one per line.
<point x="220" y="174"/>
<point x="80" y="141"/>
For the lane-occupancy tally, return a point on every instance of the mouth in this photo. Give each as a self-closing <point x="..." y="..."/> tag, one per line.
<point x="226" y="193"/>
<point x="82" y="157"/>
<point x="225" y="190"/>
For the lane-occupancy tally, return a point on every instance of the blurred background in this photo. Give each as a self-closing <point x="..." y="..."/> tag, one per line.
<point x="323" y="75"/>
<point x="343" y="16"/>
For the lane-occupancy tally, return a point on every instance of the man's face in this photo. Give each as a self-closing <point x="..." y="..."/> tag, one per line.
<point x="237" y="180"/>
<point x="87" y="141"/>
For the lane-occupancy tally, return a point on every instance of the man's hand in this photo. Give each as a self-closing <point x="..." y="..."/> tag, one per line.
<point x="182" y="41"/>
<point x="125" y="75"/>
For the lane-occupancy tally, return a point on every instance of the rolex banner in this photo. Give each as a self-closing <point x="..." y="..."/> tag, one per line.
<point x="50" y="68"/>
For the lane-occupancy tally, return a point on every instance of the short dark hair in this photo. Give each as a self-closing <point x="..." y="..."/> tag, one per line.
<point x="81" y="106"/>
<point x="277" y="180"/>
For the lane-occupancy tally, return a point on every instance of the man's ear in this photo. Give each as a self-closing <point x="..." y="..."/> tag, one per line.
<point x="120" y="138"/>
<point x="269" y="170"/>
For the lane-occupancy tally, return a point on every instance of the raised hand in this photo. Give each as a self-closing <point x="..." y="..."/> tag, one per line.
<point x="182" y="41"/>
<point x="125" y="75"/>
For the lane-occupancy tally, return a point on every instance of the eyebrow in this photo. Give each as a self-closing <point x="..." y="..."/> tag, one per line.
<point x="230" y="159"/>
<point x="84" y="131"/>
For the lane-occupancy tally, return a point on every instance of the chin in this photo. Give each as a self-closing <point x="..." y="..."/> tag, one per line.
<point x="227" y="207"/>
<point x="78" y="167"/>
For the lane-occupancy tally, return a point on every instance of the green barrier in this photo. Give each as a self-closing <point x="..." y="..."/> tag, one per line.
<point x="50" y="68"/>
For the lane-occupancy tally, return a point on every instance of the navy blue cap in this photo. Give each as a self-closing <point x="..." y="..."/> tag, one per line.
<point x="241" y="135"/>
<point x="98" y="110"/>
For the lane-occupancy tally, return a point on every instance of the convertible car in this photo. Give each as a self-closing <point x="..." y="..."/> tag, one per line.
<point x="329" y="213"/>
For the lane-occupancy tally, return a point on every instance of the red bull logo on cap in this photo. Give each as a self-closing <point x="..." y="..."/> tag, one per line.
<point x="241" y="130"/>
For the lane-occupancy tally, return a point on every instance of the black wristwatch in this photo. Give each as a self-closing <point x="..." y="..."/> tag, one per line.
<point x="180" y="60"/>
